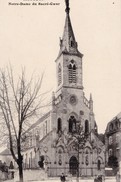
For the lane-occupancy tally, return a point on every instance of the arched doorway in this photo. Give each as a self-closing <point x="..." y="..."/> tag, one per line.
<point x="73" y="165"/>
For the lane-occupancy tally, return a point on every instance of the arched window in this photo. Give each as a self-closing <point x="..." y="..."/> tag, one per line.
<point x="59" y="74"/>
<point x="72" y="43"/>
<point x="59" y="125"/>
<point x="98" y="165"/>
<point x="86" y="127"/>
<point x="72" y="72"/>
<point x="72" y="124"/>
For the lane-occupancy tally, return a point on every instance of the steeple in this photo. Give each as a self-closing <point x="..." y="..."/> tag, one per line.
<point x="68" y="42"/>
<point x="91" y="104"/>
<point x="69" y="61"/>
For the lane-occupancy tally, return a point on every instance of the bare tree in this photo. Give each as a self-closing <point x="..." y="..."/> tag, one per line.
<point x="19" y="101"/>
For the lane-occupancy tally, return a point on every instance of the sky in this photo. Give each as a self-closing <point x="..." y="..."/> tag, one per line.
<point x="29" y="37"/>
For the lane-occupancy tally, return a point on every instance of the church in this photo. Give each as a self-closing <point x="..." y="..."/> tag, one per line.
<point x="65" y="140"/>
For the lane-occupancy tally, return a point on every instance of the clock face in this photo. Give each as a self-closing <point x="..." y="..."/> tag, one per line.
<point x="73" y="99"/>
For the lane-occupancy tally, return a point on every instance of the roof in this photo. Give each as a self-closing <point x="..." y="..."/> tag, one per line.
<point x="118" y="116"/>
<point x="5" y="152"/>
<point x="39" y="121"/>
<point x="114" y="119"/>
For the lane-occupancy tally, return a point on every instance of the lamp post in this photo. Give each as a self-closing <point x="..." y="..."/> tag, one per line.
<point x="80" y="141"/>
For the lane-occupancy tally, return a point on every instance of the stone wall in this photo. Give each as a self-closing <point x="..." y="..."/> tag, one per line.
<point x="32" y="175"/>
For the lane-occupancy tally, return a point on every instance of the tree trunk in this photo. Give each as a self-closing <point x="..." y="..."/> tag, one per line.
<point x="20" y="170"/>
<point x="20" y="163"/>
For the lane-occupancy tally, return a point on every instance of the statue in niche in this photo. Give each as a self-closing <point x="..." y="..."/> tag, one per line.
<point x="86" y="160"/>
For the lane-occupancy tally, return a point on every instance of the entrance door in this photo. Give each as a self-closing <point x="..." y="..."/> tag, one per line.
<point x="73" y="165"/>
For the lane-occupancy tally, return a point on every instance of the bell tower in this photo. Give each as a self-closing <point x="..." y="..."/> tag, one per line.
<point x="69" y="101"/>
<point x="69" y="60"/>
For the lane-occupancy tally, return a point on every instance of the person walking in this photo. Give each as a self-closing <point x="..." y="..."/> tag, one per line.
<point x="62" y="178"/>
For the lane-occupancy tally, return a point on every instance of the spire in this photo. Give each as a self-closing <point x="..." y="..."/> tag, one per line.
<point x="68" y="42"/>
<point x="91" y="103"/>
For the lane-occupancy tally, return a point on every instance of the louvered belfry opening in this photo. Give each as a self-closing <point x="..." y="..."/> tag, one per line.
<point x="72" y="72"/>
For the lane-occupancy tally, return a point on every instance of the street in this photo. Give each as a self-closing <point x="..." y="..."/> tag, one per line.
<point x="107" y="179"/>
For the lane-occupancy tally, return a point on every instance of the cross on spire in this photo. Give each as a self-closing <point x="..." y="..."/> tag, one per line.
<point x="67" y="6"/>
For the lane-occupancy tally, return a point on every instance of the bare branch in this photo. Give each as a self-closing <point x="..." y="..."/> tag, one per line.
<point x="19" y="101"/>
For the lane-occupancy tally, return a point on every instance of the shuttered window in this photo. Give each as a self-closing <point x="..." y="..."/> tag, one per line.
<point x="72" y="72"/>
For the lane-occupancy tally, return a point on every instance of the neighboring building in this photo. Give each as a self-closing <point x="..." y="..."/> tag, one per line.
<point x="113" y="140"/>
<point x="50" y="141"/>
<point x="5" y="156"/>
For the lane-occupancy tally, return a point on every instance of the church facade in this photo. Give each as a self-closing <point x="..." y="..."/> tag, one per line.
<point x="66" y="138"/>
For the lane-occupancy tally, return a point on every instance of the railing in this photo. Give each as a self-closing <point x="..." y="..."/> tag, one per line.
<point x="83" y="172"/>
